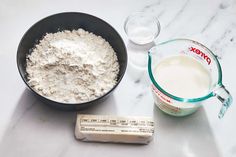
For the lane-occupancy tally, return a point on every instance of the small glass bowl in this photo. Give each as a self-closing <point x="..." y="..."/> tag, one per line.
<point x="142" y="28"/>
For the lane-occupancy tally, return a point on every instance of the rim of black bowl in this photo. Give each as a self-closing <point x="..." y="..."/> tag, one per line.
<point x="63" y="103"/>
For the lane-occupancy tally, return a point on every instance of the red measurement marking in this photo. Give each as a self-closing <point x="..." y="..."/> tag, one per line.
<point x="161" y="95"/>
<point x="170" y="108"/>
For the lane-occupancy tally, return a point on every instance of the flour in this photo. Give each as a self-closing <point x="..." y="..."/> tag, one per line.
<point x="72" y="66"/>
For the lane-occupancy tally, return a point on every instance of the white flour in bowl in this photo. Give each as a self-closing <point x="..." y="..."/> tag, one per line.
<point x="72" y="66"/>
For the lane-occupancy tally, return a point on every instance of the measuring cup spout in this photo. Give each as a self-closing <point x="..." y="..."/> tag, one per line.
<point x="225" y="97"/>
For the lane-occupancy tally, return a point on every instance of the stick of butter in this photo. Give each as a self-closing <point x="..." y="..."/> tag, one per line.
<point x="106" y="128"/>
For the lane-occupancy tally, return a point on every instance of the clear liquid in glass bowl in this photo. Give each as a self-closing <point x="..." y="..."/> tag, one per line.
<point x="142" y="28"/>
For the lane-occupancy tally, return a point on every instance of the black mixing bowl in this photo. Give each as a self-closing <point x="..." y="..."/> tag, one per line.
<point x="70" y="21"/>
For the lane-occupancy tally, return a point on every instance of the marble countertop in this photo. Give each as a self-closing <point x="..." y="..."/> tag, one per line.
<point x="30" y="128"/>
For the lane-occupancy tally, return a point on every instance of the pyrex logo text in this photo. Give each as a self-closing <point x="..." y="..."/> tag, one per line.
<point x="202" y="54"/>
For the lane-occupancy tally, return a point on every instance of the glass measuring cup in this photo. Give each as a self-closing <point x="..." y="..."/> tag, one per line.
<point x="178" y="106"/>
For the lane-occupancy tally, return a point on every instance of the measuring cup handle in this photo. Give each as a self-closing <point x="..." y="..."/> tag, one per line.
<point x="225" y="97"/>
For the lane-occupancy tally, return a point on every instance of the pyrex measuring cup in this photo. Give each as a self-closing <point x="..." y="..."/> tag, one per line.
<point x="178" y="106"/>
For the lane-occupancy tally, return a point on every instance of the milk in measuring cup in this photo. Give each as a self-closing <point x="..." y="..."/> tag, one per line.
<point x="184" y="77"/>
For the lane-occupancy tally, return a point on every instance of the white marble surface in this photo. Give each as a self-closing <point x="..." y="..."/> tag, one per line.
<point x="29" y="128"/>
